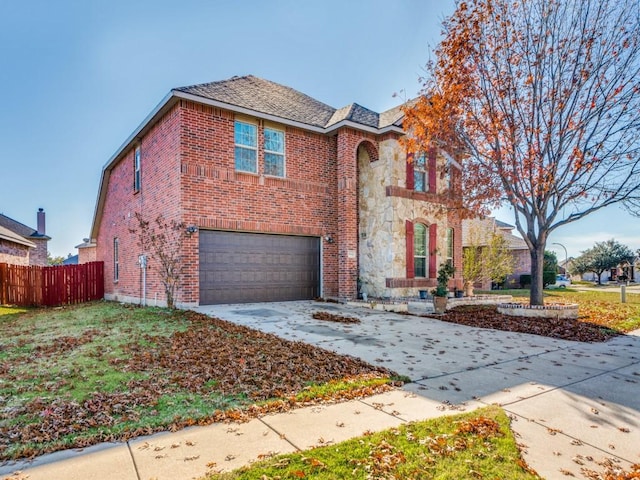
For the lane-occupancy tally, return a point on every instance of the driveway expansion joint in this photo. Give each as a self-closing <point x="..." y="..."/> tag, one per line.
<point x="281" y="435"/>
<point x="133" y="460"/>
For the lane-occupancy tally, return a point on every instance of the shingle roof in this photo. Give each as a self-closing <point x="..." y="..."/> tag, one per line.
<point x="17" y="227"/>
<point x="392" y="116"/>
<point x="476" y="231"/>
<point x="500" y="224"/>
<point x="7" y="234"/>
<point x="271" y="98"/>
<point x="266" y="97"/>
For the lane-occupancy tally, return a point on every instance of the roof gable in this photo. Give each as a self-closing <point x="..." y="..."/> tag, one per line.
<point x="265" y="96"/>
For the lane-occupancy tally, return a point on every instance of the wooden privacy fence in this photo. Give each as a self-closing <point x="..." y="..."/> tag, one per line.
<point x="51" y="286"/>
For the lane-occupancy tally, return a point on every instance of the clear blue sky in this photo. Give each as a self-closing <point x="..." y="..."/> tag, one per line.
<point x="77" y="76"/>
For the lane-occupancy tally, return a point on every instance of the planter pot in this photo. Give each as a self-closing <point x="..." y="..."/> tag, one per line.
<point x="423" y="294"/>
<point x="439" y="304"/>
<point x="468" y="290"/>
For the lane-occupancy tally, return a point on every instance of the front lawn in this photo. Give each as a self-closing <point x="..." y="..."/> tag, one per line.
<point x="601" y="308"/>
<point x="72" y="377"/>
<point x="479" y="444"/>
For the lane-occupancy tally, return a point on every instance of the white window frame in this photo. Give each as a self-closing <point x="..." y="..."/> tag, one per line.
<point x="271" y="152"/>
<point x="245" y="147"/>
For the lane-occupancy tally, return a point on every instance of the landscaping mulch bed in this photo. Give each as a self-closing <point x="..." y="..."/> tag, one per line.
<point x="487" y="316"/>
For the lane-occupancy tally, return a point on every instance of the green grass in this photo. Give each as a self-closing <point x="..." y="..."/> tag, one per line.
<point x="75" y="376"/>
<point x="479" y="444"/>
<point x="601" y="307"/>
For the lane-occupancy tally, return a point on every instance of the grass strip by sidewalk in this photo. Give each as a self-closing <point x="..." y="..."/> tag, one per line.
<point x="472" y="445"/>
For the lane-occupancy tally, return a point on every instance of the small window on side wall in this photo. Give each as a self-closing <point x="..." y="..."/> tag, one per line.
<point x="136" y="169"/>
<point x="116" y="259"/>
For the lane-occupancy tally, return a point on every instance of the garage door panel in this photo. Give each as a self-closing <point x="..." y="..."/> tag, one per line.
<point x="247" y="267"/>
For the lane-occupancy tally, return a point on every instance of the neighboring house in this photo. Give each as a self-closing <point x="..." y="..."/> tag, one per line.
<point x="477" y="231"/>
<point x="70" y="260"/>
<point x="631" y="272"/>
<point x="285" y="198"/>
<point x="23" y="245"/>
<point x="86" y="251"/>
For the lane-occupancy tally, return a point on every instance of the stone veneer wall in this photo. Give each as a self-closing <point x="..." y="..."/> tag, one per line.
<point x="382" y="227"/>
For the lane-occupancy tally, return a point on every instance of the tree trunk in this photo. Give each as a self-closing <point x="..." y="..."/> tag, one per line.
<point x="537" y="273"/>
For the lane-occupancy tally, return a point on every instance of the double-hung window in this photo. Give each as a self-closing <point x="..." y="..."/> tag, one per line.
<point x="136" y="169"/>
<point x="273" y="152"/>
<point x="450" y="246"/>
<point x="420" y="179"/>
<point x="246" y="143"/>
<point x="420" y="248"/>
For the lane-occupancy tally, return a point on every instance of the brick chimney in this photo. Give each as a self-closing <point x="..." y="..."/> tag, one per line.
<point x="41" y="222"/>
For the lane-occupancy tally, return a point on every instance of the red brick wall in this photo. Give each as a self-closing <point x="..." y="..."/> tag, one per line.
<point x="215" y="196"/>
<point x="159" y="193"/>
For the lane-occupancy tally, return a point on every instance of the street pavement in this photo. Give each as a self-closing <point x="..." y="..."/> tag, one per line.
<point x="573" y="405"/>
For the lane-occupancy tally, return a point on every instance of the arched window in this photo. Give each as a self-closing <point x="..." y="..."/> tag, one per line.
<point x="420" y="249"/>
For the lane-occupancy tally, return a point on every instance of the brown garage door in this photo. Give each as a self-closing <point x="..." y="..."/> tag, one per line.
<point x="250" y="267"/>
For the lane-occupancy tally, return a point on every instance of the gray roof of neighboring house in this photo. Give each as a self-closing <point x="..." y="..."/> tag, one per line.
<point x="11" y="236"/>
<point x="476" y="231"/>
<point x="71" y="260"/>
<point x="500" y="224"/>
<point x="20" y="228"/>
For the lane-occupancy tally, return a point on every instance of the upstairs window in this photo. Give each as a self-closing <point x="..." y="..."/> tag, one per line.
<point x="246" y="142"/>
<point x="273" y="152"/>
<point x="136" y="169"/>
<point x="420" y="249"/>
<point x="420" y="179"/>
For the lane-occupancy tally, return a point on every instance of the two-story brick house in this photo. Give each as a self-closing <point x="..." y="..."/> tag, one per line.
<point x="23" y="245"/>
<point x="286" y="197"/>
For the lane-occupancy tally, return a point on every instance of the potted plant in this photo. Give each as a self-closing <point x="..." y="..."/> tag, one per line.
<point x="441" y="292"/>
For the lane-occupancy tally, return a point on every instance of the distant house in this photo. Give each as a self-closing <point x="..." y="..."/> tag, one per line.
<point x="86" y="251"/>
<point x="519" y="250"/>
<point x="283" y="198"/>
<point x="70" y="260"/>
<point x="23" y="245"/>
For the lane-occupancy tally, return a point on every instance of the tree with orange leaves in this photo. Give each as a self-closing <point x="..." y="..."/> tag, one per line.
<point x="542" y="100"/>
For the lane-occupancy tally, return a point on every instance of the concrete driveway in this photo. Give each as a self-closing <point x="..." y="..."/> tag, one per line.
<point x="574" y="406"/>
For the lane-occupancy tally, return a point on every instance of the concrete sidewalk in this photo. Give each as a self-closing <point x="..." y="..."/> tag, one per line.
<point x="573" y="405"/>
